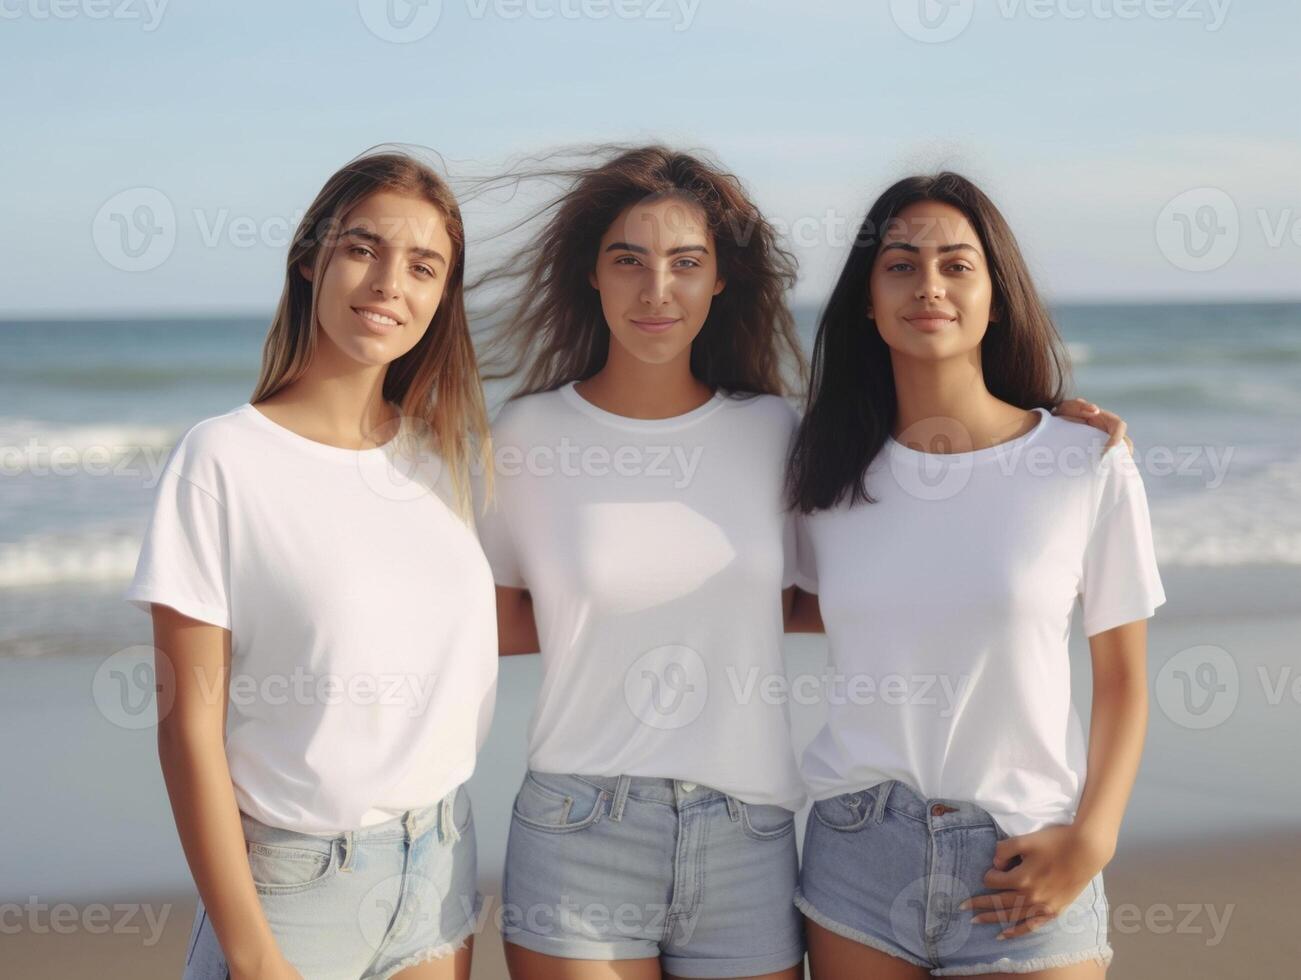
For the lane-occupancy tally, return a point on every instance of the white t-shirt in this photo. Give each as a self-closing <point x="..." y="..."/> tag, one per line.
<point x="948" y="604"/>
<point x="655" y="552"/>
<point x="361" y="611"/>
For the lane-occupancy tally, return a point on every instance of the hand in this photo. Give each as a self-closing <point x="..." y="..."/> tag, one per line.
<point x="1087" y="413"/>
<point x="1038" y="876"/>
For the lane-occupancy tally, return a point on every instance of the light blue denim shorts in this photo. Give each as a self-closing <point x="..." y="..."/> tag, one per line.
<point x="367" y="903"/>
<point x="631" y="867"/>
<point x="888" y="868"/>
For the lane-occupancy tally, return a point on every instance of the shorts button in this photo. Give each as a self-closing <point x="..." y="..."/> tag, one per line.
<point x="938" y="810"/>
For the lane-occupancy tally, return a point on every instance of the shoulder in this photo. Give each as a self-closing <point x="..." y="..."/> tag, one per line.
<point x="519" y="417"/>
<point x="205" y="448"/>
<point x="767" y="410"/>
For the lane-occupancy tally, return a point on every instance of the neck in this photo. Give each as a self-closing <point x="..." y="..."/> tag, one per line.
<point x="340" y="396"/>
<point x="944" y="406"/>
<point x="636" y="389"/>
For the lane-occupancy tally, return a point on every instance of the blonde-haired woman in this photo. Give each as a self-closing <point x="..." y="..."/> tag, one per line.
<point x="324" y="614"/>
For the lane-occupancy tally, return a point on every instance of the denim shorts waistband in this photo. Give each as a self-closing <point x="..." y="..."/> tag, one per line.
<point x="938" y="812"/>
<point x="410" y="824"/>
<point x="655" y="789"/>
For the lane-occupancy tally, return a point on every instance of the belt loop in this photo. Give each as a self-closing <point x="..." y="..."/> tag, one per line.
<point x="882" y="794"/>
<point x="734" y="809"/>
<point x="346" y="843"/>
<point x="620" y="797"/>
<point x="447" y="818"/>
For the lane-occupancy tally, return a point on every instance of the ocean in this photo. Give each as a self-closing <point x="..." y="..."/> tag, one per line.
<point x="89" y="410"/>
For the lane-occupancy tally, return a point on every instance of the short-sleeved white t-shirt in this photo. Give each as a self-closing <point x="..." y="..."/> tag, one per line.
<point x="947" y="605"/>
<point x="655" y="552"/>
<point x="361" y="612"/>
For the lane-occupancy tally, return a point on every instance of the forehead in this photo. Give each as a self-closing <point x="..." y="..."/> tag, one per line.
<point x="931" y="223"/>
<point x="401" y="220"/>
<point x="660" y="224"/>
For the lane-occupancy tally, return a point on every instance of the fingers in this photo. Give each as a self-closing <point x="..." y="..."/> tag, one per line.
<point x="1076" y="408"/>
<point x="1026" y="925"/>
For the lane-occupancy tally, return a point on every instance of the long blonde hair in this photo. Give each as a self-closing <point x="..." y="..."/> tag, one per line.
<point x="437" y="381"/>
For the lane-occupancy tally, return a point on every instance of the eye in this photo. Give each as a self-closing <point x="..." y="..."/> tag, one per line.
<point x="626" y="260"/>
<point x="961" y="267"/>
<point x="362" y="249"/>
<point x="894" y="267"/>
<point x="690" y="263"/>
<point x="425" y="270"/>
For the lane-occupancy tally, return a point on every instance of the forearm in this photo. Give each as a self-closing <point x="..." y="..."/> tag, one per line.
<point x="1117" y="729"/>
<point x="207" y="821"/>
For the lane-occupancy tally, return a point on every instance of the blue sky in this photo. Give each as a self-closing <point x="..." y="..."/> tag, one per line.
<point x="1142" y="149"/>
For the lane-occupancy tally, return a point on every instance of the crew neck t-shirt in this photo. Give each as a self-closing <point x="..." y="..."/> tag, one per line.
<point x="948" y="604"/>
<point x="361" y="611"/>
<point x="655" y="552"/>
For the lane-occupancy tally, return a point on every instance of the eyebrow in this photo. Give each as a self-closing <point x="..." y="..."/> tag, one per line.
<point x="907" y="247"/>
<point x="642" y="250"/>
<point x="370" y="236"/>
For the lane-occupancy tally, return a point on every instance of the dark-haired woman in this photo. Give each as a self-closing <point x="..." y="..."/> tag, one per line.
<point x="640" y="541"/>
<point x="953" y="523"/>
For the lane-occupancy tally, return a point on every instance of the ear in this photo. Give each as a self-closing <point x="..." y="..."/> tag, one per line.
<point x="719" y="286"/>
<point x="591" y="278"/>
<point x="306" y="271"/>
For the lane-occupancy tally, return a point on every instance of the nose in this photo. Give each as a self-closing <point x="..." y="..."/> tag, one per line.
<point x="931" y="286"/>
<point x="385" y="277"/>
<point x="657" y="288"/>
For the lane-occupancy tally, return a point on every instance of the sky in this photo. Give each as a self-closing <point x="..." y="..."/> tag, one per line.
<point x="158" y="153"/>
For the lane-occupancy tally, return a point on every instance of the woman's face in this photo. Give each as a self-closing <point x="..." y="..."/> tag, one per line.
<point x="930" y="290"/>
<point x="384" y="278"/>
<point x="657" y="274"/>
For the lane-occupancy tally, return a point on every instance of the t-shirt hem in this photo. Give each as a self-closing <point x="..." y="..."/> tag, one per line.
<point x="1101" y="622"/>
<point x="142" y="599"/>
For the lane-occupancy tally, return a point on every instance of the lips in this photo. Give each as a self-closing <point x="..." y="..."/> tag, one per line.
<point x="378" y="320"/>
<point x="930" y="321"/>
<point x="654" y="324"/>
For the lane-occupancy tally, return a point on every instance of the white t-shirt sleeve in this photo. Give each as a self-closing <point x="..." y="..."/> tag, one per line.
<point x="185" y="559"/>
<point x="495" y="536"/>
<point x="1120" y="582"/>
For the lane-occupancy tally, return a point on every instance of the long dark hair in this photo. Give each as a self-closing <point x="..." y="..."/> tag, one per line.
<point x="554" y="331"/>
<point x="852" y="406"/>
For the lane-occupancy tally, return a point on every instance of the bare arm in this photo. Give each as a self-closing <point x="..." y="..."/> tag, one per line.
<point x="802" y="612"/>
<point x="1117" y="729"/>
<point x="191" y="749"/>
<point x="517" y="631"/>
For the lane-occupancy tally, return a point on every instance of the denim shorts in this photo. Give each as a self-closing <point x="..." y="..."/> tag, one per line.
<point x="888" y="869"/>
<point x="367" y="903"/>
<point x="631" y="867"/>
